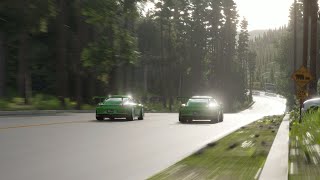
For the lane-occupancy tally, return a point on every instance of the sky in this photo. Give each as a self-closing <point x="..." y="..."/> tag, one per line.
<point x="264" y="14"/>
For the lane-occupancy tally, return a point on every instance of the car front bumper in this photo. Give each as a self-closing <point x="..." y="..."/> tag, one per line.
<point x="111" y="112"/>
<point x="198" y="114"/>
<point x="112" y="115"/>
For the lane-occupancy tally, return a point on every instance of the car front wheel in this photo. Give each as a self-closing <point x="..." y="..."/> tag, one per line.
<point x="182" y="120"/>
<point x="215" y="119"/>
<point x="130" y="116"/>
<point x="99" y="118"/>
<point x="141" y="115"/>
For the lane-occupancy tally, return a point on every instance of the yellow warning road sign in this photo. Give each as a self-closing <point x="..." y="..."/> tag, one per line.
<point x="302" y="76"/>
<point x="301" y="94"/>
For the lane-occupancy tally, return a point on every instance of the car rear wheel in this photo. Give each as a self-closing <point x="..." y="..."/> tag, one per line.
<point x="141" y="115"/>
<point x="99" y="118"/>
<point x="130" y="116"/>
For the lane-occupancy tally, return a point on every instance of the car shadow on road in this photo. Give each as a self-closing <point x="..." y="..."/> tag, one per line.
<point x="112" y="121"/>
<point x="197" y="122"/>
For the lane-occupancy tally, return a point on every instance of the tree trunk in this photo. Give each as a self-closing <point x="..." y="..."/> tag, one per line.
<point x="79" y="40"/>
<point x="61" y="82"/>
<point x="78" y="71"/>
<point x="162" y="69"/>
<point x="23" y="78"/>
<point x="306" y="13"/>
<point x="313" y="46"/>
<point x="145" y="78"/>
<point x="2" y="65"/>
<point x="90" y="88"/>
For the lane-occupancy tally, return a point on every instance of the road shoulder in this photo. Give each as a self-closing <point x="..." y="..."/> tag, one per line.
<point x="41" y="112"/>
<point x="276" y="166"/>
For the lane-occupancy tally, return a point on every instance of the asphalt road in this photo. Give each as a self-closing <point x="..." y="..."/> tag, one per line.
<point x="75" y="146"/>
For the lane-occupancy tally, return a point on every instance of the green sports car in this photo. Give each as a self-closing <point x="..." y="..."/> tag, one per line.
<point x="119" y="106"/>
<point x="201" y="107"/>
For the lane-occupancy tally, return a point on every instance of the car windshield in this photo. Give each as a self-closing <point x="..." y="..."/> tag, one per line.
<point x="201" y="101"/>
<point x="116" y="100"/>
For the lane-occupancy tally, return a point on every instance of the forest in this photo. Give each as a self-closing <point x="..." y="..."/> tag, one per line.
<point x="275" y="54"/>
<point x="67" y="52"/>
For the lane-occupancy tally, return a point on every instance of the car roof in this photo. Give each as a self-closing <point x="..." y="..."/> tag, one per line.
<point x="120" y="96"/>
<point x="201" y="97"/>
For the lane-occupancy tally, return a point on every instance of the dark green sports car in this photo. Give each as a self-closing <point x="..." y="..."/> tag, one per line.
<point x="119" y="106"/>
<point x="201" y="107"/>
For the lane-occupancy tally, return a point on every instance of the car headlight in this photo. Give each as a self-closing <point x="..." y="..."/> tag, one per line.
<point x="213" y="105"/>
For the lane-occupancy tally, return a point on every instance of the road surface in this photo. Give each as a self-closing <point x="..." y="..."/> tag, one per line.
<point x="75" y="146"/>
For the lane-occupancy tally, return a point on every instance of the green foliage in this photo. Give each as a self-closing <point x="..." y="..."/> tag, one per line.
<point x="79" y="49"/>
<point x="40" y="102"/>
<point x="70" y="104"/>
<point x="239" y="155"/>
<point x="18" y="101"/>
<point x="3" y="104"/>
<point x="88" y="107"/>
<point x="45" y="102"/>
<point x="240" y="106"/>
<point x="304" y="141"/>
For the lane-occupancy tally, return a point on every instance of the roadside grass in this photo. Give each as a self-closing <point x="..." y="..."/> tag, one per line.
<point x="48" y="102"/>
<point x="304" y="157"/>
<point x="39" y="102"/>
<point x="158" y="108"/>
<point x="239" y="155"/>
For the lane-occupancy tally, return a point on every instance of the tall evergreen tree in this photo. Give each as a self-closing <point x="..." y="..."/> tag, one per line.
<point x="243" y="54"/>
<point x="227" y="69"/>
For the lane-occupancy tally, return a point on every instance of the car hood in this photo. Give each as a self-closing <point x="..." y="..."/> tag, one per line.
<point x="197" y="104"/>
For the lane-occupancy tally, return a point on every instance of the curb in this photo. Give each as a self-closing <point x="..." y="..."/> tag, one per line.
<point x="42" y="112"/>
<point x="276" y="165"/>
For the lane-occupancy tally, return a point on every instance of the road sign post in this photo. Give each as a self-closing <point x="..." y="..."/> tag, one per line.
<point x="301" y="77"/>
